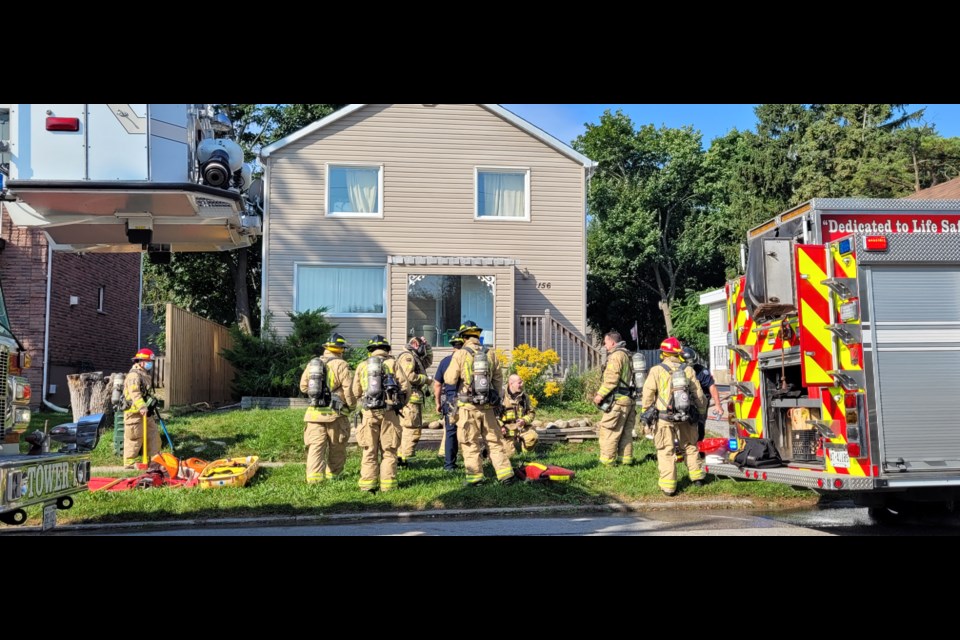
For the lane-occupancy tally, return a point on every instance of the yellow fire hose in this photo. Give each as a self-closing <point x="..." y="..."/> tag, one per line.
<point x="143" y="442"/>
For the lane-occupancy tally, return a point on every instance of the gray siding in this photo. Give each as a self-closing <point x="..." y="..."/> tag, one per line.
<point x="428" y="155"/>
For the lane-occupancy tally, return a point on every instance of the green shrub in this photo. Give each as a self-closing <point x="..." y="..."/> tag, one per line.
<point x="267" y="365"/>
<point x="354" y="356"/>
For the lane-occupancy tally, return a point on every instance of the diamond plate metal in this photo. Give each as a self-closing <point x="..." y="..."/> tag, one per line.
<point x="911" y="247"/>
<point x="796" y="477"/>
<point x="870" y="205"/>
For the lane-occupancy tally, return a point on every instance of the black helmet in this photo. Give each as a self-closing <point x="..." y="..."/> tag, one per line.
<point x="378" y="342"/>
<point x="456" y="340"/>
<point x="336" y="341"/>
<point x="687" y="354"/>
<point x="469" y="328"/>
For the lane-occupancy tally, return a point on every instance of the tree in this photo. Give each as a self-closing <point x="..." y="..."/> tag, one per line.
<point x="195" y="281"/>
<point x="648" y="237"/>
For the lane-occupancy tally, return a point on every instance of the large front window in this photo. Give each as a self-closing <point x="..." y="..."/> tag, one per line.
<point x="344" y="291"/>
<point x="354" y="190"/>
<point x="438" y="305"/>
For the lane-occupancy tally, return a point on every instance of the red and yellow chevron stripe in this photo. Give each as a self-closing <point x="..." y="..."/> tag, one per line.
<point x="850" y="356"/>
<point x="744" y="370"/>
<point x="834" y="415"/>
<point x="816" y="342"/>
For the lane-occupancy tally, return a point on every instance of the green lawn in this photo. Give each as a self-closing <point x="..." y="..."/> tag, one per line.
<point x="276" y="435"/>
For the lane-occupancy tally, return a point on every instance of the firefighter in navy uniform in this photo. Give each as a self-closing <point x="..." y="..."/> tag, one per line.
<point x="613" y="397"/>
<point x="674" y="398"/>
<point x="326" y="428"/>
<point x="376" y="389"/>
<point x="476" y="375"/>
<point x="709" y="386"/>
<point x="412" y="365"/>
<point x="446" y="402"/>
<point x="139" y="401"/>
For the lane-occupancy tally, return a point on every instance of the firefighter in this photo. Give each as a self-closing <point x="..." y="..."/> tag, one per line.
<point x="676" y="422"/>
<point x="476" y="375"/>
<point x="709" y="386"/>
<point x="446" y="402"/>
<point x="326" y="428"/>
<point x="516" y="418"/>
<point x="412" y="366"/>
<point x="139" y="400"/>
<point x="613" y="397"/>
<point x="378" y="392"/>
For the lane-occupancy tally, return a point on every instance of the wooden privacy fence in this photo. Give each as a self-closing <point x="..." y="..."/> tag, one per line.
<point x="194" y="369"/>
<point x="545" y="332"/>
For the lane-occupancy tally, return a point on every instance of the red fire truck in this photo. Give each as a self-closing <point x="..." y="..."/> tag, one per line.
<point x="845" y="340"/>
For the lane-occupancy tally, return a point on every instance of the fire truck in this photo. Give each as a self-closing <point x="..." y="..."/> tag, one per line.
<point x="844" y="335"/>
<point x="153" y="178"/>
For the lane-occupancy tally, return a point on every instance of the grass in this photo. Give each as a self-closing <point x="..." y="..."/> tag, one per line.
<point x="276" y="435"/>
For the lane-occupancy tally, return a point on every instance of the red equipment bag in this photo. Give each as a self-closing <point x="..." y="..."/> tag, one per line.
<point x="715" y="446"/>
<point x="535" y="472"/>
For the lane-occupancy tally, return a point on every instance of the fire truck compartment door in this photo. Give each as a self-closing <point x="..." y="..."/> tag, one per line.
<point x="914" y="343"/>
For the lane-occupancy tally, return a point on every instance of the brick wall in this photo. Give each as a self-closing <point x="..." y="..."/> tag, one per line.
<point x="23" y="274"/>
<point x="81" y="338"/>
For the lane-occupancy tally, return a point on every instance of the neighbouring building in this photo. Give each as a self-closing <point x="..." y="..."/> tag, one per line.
<point x="82" y="308"/>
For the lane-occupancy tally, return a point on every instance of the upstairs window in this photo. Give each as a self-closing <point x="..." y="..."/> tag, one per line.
<point x="502" y="194"/>
<point x="354" y="190"/>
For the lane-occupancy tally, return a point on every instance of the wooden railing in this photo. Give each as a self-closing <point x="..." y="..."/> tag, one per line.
<point x="545" y="332"/>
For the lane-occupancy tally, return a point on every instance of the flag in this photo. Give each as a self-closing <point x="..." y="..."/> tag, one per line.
<point x="633" y="332"/>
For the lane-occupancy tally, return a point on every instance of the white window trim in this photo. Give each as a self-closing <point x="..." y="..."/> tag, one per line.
<point x="330" y="314"/>
<point x="101" y="298"/>
<point x="476" y="193"/>
<point x="351" y="214"/>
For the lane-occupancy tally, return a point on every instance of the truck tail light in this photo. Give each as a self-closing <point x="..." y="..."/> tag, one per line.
<point x="853" y="406"/>
<point x="875" y="243"/>
<point x="63" y="124"/>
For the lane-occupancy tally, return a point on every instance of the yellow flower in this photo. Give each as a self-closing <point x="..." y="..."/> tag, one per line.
<point x="551" y="389"/>
<point x="533" y="402"/>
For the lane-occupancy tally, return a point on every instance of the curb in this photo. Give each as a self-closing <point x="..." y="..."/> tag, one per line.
<point x="615" y="507"/>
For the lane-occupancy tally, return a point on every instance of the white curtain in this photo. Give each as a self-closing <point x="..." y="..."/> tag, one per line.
<point x="476" y="303"/>
<point x="361" y="290"/>
<point x="362" y="189"/>
<point x="316" y="287"/>
<point x="340" y="289"/>
<point x="503" y="194"/>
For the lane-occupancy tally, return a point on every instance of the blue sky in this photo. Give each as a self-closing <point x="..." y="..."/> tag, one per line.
<point x="565" y="121"/>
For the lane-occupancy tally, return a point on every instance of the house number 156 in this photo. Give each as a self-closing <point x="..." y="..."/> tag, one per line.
<point x="543" y="285"/>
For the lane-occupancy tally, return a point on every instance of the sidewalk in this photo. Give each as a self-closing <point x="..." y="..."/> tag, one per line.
<point x="614" y="507"/>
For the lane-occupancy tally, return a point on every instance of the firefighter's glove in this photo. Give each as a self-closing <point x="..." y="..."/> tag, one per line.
<point x="649" y="417"/>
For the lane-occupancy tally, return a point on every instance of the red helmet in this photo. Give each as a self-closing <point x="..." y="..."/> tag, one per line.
<point x="671" y="346"/>
<point x="144" y="354"/>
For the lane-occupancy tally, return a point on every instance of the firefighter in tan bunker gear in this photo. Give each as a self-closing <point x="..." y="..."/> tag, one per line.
<point x="413" y="364"/>
<point x="657" y="392"/>
<point x="477" y="420"/>
<point x="616" y="426"/>
<point x="516" y="418"/>
<point x="378" y="435"/>
<point x="139" y="400"/>
<point x="326" y="429"/>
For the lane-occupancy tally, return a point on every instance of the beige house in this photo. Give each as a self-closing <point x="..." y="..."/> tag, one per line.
<point x="406" y="219"/>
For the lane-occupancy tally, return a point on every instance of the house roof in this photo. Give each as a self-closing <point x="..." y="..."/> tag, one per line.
<point x="949" y="190"/>
<point x="496" y="109"/>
